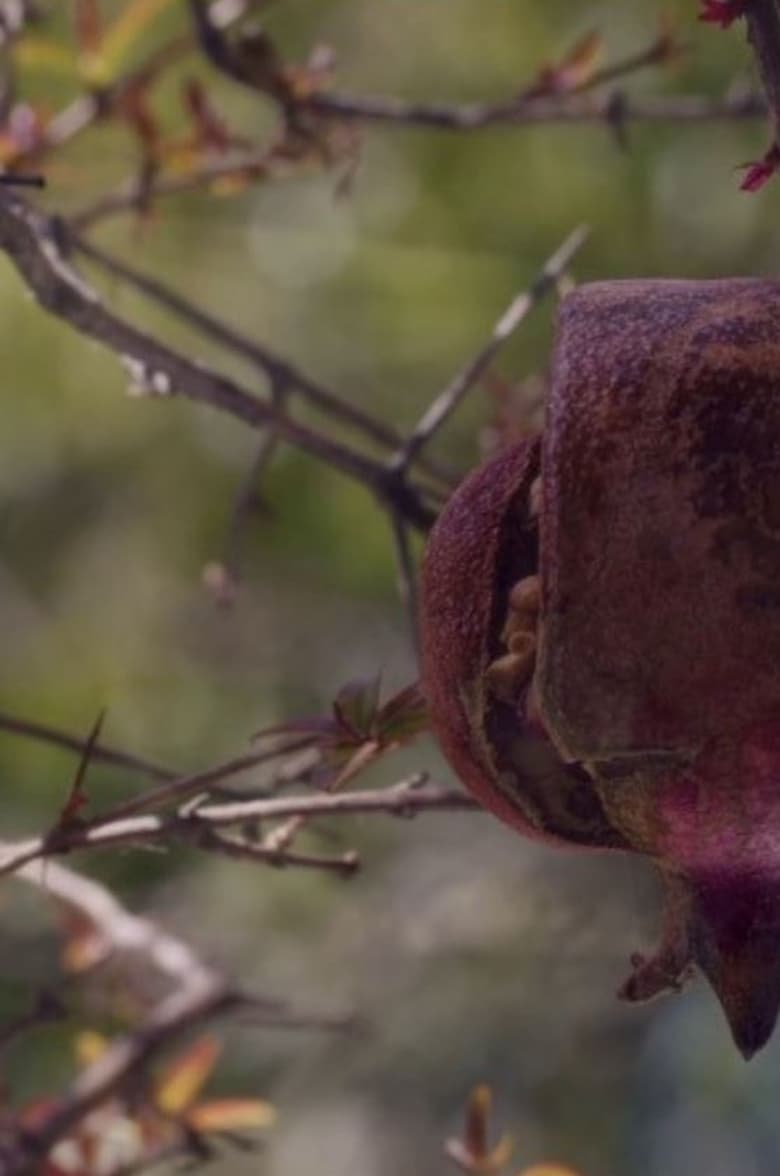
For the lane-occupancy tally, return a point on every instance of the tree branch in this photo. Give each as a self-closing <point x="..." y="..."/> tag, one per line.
<point x="763" y="22"/>
<point x="448" y="400"/>
<point x="478" y="116"/>
<point x="277" y="369"/>
<point x="190" y="824"/>
<point x="523" y="109"/>
<point x="30" y="241"/>
<point x="203" y="997"/>
<point x="197" y="992"/>
<point x="42" y="733"/>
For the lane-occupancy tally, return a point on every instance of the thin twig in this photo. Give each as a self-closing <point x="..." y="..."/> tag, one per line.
<point x="138" y="194"/>
<point x="247" y="503"/>
<point x="406" y="577"/>
<point x="240" y="847"/>
<point x="181" y="788"/>
<point x="203" y="997"/>
<point x="100" y="753"/>
<point x="448" y="400"/>
<point x="46" y="1008"/>
<point x="397" y="800"/>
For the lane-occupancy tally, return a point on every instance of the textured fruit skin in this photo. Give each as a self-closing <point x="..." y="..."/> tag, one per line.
<point x="652" y="722"/>
<point x="661" y="500"/>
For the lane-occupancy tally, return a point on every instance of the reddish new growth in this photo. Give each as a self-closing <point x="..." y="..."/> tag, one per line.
<point x="722" y="12"/>
<point x="757" y="174"/>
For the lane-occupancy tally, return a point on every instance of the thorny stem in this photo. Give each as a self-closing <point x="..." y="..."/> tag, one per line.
<point x="277" y="369"/>
<point x="30" y="241"/>
<point x="400" y="800"/>
<point x="519" y="110"/>
<point x="580" y="109"/>
<point x="99" y="752"/>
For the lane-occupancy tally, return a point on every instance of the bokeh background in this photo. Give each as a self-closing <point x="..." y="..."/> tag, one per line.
<point x="470" y="955"/>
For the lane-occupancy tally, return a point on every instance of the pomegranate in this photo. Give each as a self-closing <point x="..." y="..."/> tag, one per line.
<point x="601" y="620"/>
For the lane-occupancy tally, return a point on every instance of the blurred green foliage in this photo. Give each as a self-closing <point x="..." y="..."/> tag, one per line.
<point x="470" y="955"/>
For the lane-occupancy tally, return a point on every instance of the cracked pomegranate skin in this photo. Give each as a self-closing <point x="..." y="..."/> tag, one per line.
<point x="649" y="719"/>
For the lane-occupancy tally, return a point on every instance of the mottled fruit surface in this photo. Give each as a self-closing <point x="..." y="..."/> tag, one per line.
<point x="601" y="620"/>
<point x="661" y="516"/>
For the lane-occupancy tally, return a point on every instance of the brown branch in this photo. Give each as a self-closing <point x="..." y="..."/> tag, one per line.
<point x="345" y="864"/>
<point x="763" y="23"/>
<point x="100" y="753"/>
<point x="478" y="116"/>
<point x="203" y="997"/>
<point x="521" y="109"/>
<point x="279" y="371"/>
<point x="407" y="578"/>
<point x="212" y="40"/>
<point x="182" y="788"/>
<point x="31" y="243"/>
<point x="175" y="787"/>
<point x="248" y="502"/>
<point x="46" y="1008"/>
<point x="138" y="193"/>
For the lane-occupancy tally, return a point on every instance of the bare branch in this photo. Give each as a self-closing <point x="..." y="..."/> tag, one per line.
<point x="197" y="993"/>
<point x="448" y="400"/>
<point x="407" y="577"/>
<point x="181" y="788"/>
<point x="100" y="753"/>
<point x="520" y="109"/>
<point x="676" y="108"/>
<point x="201" y="998"/>
<point x="763" y="22"/>
<point x="247" y="503"/>
<point x="279" y="370"/>
<point x="31" y="243"/>
<point x="400" y="800"/>
<point x="121" y="931"/>
<point x="345" y="864"/>
<point x="46" y="1008"/>
<point x="138" y="193"/>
